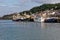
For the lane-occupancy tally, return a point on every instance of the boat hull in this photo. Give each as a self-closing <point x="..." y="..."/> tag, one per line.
<point x="31" y="20"/>
<point x="51" y="21"/>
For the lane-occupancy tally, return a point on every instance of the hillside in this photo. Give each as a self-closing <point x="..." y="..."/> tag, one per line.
<point x="45" y="7"/>
<point x="36" y="9"/>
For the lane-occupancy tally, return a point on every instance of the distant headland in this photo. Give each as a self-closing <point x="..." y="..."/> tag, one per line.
<point x="34" y="10"/>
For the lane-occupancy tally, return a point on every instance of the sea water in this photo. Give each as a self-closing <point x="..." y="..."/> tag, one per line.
<point x="10" y="30"/>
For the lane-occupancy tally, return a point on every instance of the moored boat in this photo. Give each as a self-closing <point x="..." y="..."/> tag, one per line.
<point x="27" y="19"/>
<point x="51" y="20"/>
<point x="37" y="19"/>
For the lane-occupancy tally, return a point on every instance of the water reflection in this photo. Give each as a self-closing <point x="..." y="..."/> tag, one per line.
<point x="50" y="31"/>
<point x="44" y="25"/>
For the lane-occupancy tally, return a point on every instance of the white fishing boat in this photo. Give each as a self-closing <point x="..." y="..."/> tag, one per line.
<point x="37" y="19"/>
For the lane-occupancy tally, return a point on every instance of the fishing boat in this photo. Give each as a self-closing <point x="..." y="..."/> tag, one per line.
<point x="50" y="20"/>
<point x="37" y="19"/>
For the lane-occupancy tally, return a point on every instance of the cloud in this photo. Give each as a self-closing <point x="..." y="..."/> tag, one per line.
<point x="47" y="1"/>
<point x="3" y="5"/>
<point x="8" y="5"/>
<point x="13" y="3"/>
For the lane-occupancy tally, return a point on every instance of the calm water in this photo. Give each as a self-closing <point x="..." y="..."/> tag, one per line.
<point x="10" y="30"/>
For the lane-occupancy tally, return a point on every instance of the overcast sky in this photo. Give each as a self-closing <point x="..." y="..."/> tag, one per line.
<point x="11" y="6"/>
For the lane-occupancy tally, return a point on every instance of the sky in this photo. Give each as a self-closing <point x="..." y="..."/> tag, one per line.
<point x="12" y="6"/>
